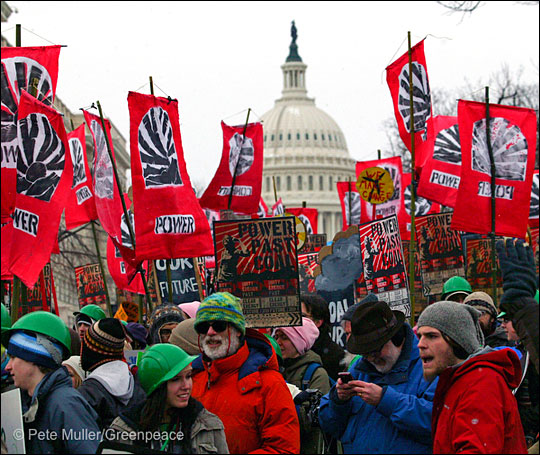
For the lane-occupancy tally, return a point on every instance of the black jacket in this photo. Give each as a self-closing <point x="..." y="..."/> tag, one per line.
<point x="330" y="352"/>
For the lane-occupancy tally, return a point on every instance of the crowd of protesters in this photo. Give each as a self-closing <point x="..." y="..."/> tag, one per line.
<point x="464" y="379"/>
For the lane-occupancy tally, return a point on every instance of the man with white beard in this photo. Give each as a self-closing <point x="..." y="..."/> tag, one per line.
<point x="237" y="378"/>
<point x="385" y="405"/>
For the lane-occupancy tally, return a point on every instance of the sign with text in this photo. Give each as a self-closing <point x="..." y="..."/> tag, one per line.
<point x="477" y="257"/>
<point x="36" y="301"/>
<point x="256" y="261"/>
<point x="441" y="253"/>
<point x="339" y="302"/>
<point x="314" y="242"/>
<point x="185" y="280"/>
<point x="384" y="265"/>
<point x="12" y="422"/>
<point x="306" y="269"/>
<point x="90" y="287"/>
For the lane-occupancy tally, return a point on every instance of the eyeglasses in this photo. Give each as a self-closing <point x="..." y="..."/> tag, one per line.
<point x="218" y="326"/>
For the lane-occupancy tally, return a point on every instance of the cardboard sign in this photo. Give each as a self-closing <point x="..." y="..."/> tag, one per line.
<point x="338" y="303"/>
<point x="90" y="287"/>
<point x="440" y="249"/>
<point x="132" y="355"/>
<point x="256" y="261"/>
<point x="306" y="268"/>
<point x="477" y="258"/>
<point x="36" y="300"/>
<point x="418" y="288"/>
<point x="314" y="242"/>
<point x="12" y="421"/>
<point x="185" y="280"/>
<point x="384" y="265"/>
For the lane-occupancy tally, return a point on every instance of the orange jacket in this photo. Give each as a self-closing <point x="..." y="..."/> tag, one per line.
<point x="249" y="395"/>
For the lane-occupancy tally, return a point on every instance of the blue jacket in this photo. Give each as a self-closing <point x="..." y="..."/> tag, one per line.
<point x="400" y="423"/>
<point x="57" y="407"/>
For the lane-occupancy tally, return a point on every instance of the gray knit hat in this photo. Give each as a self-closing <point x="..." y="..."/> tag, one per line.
<point x="456" y="320"/>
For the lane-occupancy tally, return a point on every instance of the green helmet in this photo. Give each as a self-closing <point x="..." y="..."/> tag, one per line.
<point x="454" y="285"/>
<point x="536" y="296"/>
<point x="160" y="363"/>
<point x="45" y="323"/>
<point x="6" y="318"/>
<point x="275" y="345"/>
<point x="92" y="311"/>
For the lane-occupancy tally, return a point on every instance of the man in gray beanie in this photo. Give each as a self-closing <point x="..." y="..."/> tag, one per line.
<point x="474" y="393"/>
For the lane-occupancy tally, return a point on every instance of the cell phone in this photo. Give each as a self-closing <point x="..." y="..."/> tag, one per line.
<point x="345" y="376"/>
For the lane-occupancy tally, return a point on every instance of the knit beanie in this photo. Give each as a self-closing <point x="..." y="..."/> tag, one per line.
<point x="137" y="332"/>
<point x="482" y="301"/>
<point x="35" y="348"/>
<point x="222" y="306"/>
<point x="190" y="308"/>
<point x="302" y="337"/>
<point x="163" y="314"/>
<point x="75" y="362"/>
<point x="185" y="337"/>
<point x="103" y="342"/>
<point x="459" y="322"/>
<point x="347" y="316"/>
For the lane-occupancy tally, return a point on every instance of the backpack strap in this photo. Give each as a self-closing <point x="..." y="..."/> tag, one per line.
<point x="309" y="374"/>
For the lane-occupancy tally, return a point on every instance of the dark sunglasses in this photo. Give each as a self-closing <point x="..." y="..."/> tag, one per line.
<point x="218" y="326"/>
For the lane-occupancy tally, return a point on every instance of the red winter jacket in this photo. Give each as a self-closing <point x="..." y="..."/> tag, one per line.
<point x="474" y="410"/>
<point x="249" y="395"/>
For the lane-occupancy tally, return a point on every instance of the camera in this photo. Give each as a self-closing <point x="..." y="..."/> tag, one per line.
<point x="310" y="399"/>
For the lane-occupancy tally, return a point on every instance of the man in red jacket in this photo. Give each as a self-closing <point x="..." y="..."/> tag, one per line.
<point x="474" y="410"/>
<point x="238" y="379"/>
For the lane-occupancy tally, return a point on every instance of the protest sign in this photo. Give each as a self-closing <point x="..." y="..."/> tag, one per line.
<point x="440" y="249"/>
<point x="256" y="261"/>
<point x="185" y="280"/>
<point x="418" y="293"/>
<point x="338" y="303"/>
<point x="132" y="355"/>
<point x="12" y="421"/>
<point x="477" y="259"/>
<point x="314" y="242"/>
<point x="90" y="287"/>
<point x="306" y="268"/>
<point x="384" y="265"/>
<point x="39" y="297"/>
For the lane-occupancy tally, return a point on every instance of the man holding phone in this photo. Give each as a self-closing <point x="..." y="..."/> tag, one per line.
<point x="383" y="405"/>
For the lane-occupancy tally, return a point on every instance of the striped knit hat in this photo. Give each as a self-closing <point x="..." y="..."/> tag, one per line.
<point x="35" y="348"/>
<point x="103" y="342"/>
<point x="222" y="306"/>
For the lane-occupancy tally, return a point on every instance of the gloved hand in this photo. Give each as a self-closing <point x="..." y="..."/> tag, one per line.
<point x="302" y="397"/>
<point x="518" y="272"/>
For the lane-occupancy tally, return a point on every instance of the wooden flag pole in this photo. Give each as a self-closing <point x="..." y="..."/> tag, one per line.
<point x="412" y="244"/>
<point x="275" y="192"/>
<point x="167" y="261"/>
<point x="493" y="188"/>
<point x="236" y="165"/>
<point x="350" y="205"/>
<point x="128" y="221"/>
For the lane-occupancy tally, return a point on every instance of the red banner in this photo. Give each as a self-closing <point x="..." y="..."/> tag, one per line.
<point x="308" y="216"/>
<point x="278" y="209"/>
<point x="533" y="212"/>
<point x="169" y="222"/>
<point x="441" y="170"/>
<point x="242" y="160"/>
<point x="351" y="205"/>
<point x="513" y="142"/>
<point x="121" y="271"/>
<point x="44" y="177"/>
<point x="397" y="77"/>
<point x="106" y="195"/>
<point x="422" y="207"/>
<point x="22" y="68"/>
<point x="263" y="209"/>
<point x="81" y="205"/>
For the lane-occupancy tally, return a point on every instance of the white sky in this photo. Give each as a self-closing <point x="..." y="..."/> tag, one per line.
<point x="221" y="58"/>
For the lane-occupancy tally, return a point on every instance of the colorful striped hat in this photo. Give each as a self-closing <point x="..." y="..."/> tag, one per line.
<point x="222" y="306"/>
<point x="103" y="342"/>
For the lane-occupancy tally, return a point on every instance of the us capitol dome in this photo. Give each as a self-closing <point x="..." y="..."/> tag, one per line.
<point x="304" y="149"/>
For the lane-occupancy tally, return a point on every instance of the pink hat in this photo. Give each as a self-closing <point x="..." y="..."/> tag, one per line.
<point x="302" y="337"/>
<point x="190" y="308"/>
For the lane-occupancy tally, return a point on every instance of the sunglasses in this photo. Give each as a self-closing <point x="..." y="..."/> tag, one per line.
<point x="218" y="326"/>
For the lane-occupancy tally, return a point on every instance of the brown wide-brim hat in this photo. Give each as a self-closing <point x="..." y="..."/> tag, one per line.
<point x="372" y="325"/>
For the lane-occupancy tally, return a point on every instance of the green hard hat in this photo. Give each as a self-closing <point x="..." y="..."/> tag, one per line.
<point x="536" y="296"/>
<point x="45" y="323"/>
<point x="454" y="285"/>
<point x="160" y="363"/>
<point x="92" y="311"/>
<point x="275" y="344"/>
<point x="6" y="318"/>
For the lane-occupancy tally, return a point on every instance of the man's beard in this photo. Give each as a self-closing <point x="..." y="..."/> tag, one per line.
<point x="223" y="349"/>
<point x="390" y="360"/>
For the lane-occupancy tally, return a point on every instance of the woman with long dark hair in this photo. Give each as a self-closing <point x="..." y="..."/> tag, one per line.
<point x="170" y="420"/>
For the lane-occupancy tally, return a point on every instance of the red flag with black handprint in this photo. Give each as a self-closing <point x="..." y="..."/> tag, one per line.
<point x="533" y="212"/>
<point x="308" y="216"/>
<point x="22" y="69"/>
<point x="351" y="205"/>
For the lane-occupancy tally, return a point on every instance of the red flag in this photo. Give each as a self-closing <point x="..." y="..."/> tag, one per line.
<point x="81" y="205"/>
<point x="263" y="209"/>
<point x="513" y="141"/>
<point x="441" y="170"/>
<point x="121" y="271"/>
<point x="22" y="68"/>
<point x="106" y="196"/>
<point x="44" y="177"/>
<point x="243" y="158"/>
<point x="422" y="207"/>
<point x="533" y="212"/>
<point x="397" y="77"/>
<point x="278" y="209"/>
<point x="308" y="216"/>
<point x="351" y="206"/>
<point x="169" y="222"/>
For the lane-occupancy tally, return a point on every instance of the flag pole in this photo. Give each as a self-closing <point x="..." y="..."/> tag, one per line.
<point x="275" y="191"/>
<point x="239" y="156"/>
<point x="493" y="212"/>
<point x="412" y="245"/>
<point x="128" y="221"/>
<point x="350" y="206"/>
<point x="167" y="260"/>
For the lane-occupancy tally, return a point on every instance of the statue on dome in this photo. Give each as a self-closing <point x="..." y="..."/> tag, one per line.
<point x="293" y="32"/>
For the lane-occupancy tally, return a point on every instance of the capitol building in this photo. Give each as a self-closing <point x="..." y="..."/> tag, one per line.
<point x="305" y="152"/>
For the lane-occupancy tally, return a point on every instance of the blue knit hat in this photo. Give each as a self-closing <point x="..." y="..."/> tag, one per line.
<point x="222" y="306"/>
<point x="35" y="348"/>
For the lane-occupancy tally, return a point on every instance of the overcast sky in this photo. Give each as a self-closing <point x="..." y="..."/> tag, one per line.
<point x="221" y="58"/>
